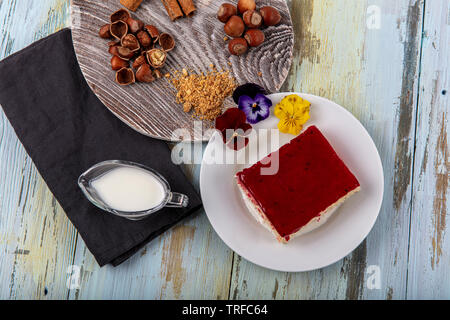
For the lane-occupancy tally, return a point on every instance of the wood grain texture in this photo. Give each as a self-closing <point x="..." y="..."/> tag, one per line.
<point x="187" y="262"/>
<point x="372" y="72"/>
<point x="151" y="108"/>
<point x="37" y="241"/>
<point x="429" y="257"/>
<point x="337" y="56"/>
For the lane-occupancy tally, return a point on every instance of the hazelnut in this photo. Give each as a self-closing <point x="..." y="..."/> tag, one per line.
<point x="113" y="43"/>
<point x="234" y="27"/>
<point x="125" y="76"/>
<point x="130" y="41"/>
<point x="139" y="61"/>
<point x="104" y="32"/>
<point x="124" y="53"/>
<point x="118" y="29"/>
<point x="113" y="49"/>
<point x="153" y="32"/>
<point x="156" y="58"/>
<point x="134" y="25"/>
<point x="144" y="38"/>
<point x="238" y="46"/>
<point x="118" y="63"/>
<point x="271" y="16"/>
<point x="244" y="5"/>
<point x="144" y="73"/>
<point x="252" y="19"/>
<point x="166" y="42"/>
<point x="254" y="37"/>
<point x="121" y="14"/>
<point x="226" y="11"/>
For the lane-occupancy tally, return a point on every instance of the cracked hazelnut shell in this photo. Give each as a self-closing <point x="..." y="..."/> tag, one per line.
<point x="121" y="14"/>
<point x="113" y="49"/>
<point x="134" y="25"/>
<point x="131" y="42"/>
<point x="118" y="63"/>
<point x="157" y="74"/>
<point x="166" y="41"/>
<point x="144" y="74"/>
<point x="153" y="32"/>
<point x="118" y="29"/>
<point x="124" y="53"/>
<point x="144" y="39"/>
<point x="125" y="76"/>
<point x="139" y="61"/>
<point x="104" y="32"/>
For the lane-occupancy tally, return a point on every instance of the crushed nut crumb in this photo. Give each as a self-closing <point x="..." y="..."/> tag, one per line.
<point x="204" y="93"/>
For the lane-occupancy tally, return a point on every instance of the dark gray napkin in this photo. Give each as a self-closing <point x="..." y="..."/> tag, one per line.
<point x="66" y="129"/>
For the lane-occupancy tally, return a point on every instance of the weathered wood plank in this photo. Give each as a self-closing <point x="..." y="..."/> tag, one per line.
<point x="372" y="72"/>
<point x="341" y="54"/>
<point x="428" y="276"/>
<point x="36" y="238"/>
<point x="187" y="262"/>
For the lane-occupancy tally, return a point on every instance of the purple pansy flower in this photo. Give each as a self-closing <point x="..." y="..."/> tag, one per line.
<point x="256" y="109"/>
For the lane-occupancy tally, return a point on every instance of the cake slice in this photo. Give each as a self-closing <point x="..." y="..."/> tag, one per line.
<point x="312" y="181"/>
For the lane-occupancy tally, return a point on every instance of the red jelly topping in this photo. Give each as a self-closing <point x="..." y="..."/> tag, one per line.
<point x="311" y="177"/>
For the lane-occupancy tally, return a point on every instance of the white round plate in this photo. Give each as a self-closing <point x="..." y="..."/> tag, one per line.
<point x="334" y="240"/>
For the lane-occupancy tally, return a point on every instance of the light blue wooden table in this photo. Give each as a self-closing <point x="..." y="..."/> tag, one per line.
<point x="385" y="61"/>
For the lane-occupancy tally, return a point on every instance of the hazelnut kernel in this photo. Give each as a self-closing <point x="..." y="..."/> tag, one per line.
<point x="156" y="58"/>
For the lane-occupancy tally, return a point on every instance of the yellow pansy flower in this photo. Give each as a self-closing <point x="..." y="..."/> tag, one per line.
<point x="293" y="112"/>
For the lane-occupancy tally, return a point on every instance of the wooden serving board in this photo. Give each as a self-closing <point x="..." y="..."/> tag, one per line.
<point x="151" y="108"/>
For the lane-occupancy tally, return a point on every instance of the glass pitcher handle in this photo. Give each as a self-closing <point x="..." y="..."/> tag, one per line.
<point x="177" y="200"/>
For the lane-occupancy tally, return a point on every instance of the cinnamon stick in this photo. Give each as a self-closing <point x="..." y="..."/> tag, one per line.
<point x="131" y="4"/>
<point x="187" y="6"/>
<point x="173" y="9"/>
